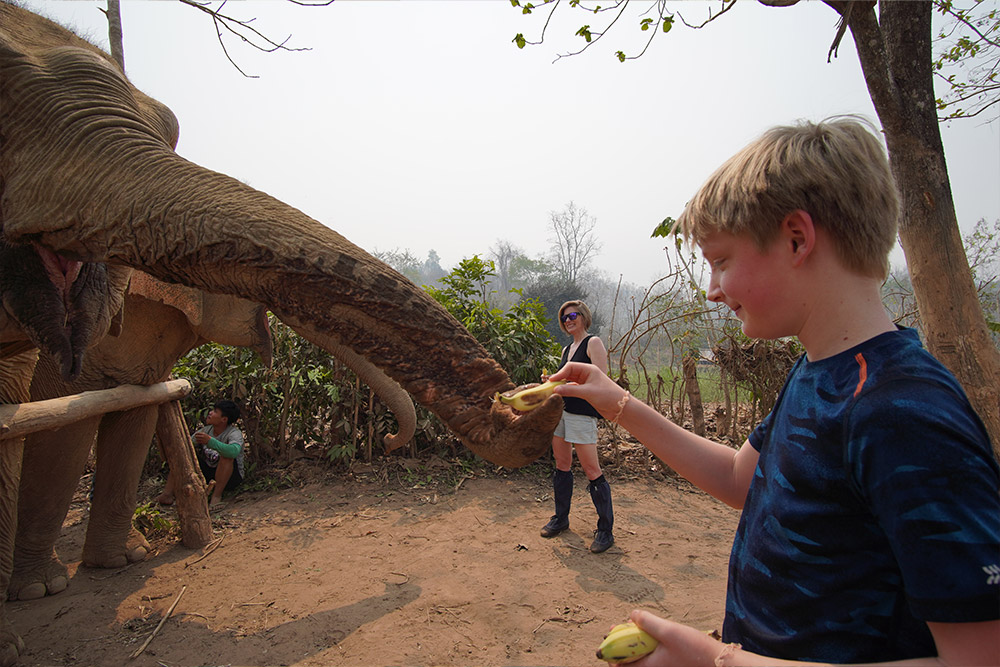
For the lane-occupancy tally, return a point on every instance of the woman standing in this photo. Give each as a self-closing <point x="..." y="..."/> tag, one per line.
<point x="578" y="430"/>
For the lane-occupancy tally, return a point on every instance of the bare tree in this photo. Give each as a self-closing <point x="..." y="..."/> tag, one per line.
<point x="573" y="242"/>
<point x="503" y="253"/>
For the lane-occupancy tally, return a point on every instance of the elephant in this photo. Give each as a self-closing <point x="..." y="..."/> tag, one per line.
<point x="89" y="179"/>
<point x="161" y="323"/>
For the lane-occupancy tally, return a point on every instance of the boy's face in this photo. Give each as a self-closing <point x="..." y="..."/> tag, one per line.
<point x="215" y="418"/>
<point x="752" y="283"/>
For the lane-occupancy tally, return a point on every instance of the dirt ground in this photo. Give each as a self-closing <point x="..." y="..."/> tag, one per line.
<point x="411" y="564"/>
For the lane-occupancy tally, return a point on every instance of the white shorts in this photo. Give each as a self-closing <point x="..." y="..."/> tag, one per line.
<point x="577" y="429"/>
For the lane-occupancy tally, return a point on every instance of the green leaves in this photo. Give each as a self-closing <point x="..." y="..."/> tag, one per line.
<point x="517" y="338"/>
<point x="664" y="229"/>
<point x="967" y="62"/>
<point x="519" y="39"/>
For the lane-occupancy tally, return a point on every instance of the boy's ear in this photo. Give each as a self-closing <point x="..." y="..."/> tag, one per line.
<point x="799" y="235"/>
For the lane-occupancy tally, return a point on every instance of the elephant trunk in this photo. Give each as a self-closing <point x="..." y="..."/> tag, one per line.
<point x="182" y="223"/>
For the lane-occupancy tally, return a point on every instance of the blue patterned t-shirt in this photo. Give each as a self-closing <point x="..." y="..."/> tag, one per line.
<point x="874" y="508"/>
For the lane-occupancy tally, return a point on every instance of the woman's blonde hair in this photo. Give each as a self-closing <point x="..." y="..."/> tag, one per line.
<point x="835" y="170"/>
<point x="581" y="308"/>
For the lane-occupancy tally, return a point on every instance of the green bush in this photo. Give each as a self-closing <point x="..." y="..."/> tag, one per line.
<point x="517" y="338"/>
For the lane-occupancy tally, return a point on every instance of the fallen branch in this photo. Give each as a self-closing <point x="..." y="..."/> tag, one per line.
<point x="163" y="620"/>
<point x="212" y="546"/>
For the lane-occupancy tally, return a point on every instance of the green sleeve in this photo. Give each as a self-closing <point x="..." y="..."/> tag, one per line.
<point x="229" y="450"/>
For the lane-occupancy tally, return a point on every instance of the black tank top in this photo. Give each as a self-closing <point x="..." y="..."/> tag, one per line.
<point x="573" y="404"/>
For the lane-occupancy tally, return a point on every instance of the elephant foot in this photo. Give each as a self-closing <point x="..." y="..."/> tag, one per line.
<point x="11" y="646"/>
<point x="39" y="580"/>
<point x="135" y="549"/>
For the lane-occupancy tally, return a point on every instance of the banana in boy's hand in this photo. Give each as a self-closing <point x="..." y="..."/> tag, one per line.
<point x="625" y="643"/>
<point x="528" y="397"/>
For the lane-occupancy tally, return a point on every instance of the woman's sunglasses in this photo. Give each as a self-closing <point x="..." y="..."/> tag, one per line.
<point x="569" y="316"/>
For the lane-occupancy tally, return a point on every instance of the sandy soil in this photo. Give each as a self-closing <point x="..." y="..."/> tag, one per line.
<point x="398" y="566"/>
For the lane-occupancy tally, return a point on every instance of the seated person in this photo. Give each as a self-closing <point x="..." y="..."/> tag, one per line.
<point x="219" y="447"/>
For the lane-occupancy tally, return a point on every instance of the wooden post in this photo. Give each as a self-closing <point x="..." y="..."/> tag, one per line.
<point x="690" y="366"/>
<point x="189" y="484"/>
<point x="20" y="419"/>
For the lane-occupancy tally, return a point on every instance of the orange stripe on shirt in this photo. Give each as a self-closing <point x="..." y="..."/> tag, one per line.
<point x="862" y="372"/>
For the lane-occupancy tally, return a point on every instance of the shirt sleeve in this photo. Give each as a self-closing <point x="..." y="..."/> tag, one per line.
<point x="231" y="446"/>
<point x="921" y="461"/>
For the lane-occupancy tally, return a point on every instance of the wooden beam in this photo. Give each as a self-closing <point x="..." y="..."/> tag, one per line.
<point x="189" y="485"/>
<point x="19" y="419"/>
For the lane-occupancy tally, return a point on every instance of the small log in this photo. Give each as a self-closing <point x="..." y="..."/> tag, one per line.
<point x="20" y="419"/>
<point x="690" y="367"/>
<point x="189" y="484"/>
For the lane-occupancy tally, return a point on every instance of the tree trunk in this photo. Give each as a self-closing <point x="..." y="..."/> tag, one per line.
<point x="693" y="391"/>
<point x="114" y="15"/>
<point x="189" y="485"/>
<point x="895" y="53"/>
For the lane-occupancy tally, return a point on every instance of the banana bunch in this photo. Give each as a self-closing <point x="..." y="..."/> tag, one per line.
<point x="528" y="397"/>
<point x="625" y="643"/>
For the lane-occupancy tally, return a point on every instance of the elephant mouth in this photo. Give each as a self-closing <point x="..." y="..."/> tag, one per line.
<point x="62" y="273"/>
<point x="60" y="305"/>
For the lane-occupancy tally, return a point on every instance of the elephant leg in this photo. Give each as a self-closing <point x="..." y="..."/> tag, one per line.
<point x="122" y="444"/>
<point x="15" y="376"/>
<point x="46" y="493"/>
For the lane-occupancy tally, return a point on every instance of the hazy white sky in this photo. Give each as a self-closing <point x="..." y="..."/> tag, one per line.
<point x="419" y="125"/>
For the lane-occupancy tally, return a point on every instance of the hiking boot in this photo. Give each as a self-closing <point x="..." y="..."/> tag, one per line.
<point x="603" y="539"/>
<point x="555" y="526"/>
<point x="562" y="492"/>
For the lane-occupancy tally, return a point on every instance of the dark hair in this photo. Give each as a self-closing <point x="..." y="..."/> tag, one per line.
<point x="229" y="410"/>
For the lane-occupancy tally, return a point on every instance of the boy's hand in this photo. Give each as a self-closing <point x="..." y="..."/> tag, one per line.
<point x="588" y="382"/>
<point x="202" y="438"/>
<point x="678" y="644"/>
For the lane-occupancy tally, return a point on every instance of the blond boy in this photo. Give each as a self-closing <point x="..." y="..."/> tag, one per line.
<point x="871" y="515"/>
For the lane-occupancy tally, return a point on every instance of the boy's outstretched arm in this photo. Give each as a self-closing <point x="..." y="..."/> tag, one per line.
<point x="959" y="645"/>
<point x="715" y="468"/>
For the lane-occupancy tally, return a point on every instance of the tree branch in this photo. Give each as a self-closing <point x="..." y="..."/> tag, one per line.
<point x="726" y="6"/>
<point x="247" y="33"/>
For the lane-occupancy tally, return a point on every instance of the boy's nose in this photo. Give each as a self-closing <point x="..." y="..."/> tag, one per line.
<point x="714" y="292"/>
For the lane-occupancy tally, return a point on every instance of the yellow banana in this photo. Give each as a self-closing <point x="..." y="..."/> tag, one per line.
<point x="528" y="397"/>
<point x="625" y="643"/>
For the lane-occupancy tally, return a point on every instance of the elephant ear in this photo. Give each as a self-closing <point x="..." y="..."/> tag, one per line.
<point x="188" y="300"/>
<point x="220" y="318"/>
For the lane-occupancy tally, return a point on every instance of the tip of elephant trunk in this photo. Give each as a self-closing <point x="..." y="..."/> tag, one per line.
<point x="517" y="439"/>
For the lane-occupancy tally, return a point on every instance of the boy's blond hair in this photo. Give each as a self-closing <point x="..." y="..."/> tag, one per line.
<point x="835" y="170"/>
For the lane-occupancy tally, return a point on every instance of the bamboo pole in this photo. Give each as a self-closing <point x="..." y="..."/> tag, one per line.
<point x="20" y="419"/>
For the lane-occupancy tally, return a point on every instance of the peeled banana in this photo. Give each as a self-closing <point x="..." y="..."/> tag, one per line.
<point x="526" y="399"/>
<point x="625" y="643"/>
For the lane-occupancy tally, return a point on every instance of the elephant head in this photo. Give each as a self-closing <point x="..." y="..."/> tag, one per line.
<point x="87" y="173"/>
